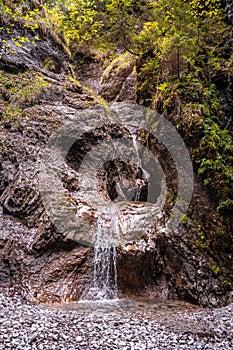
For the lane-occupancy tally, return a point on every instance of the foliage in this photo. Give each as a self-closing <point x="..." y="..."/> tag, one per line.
<point x="17" y="12"/>
<point x="118" y="65"/>
<point x="18" y="91"/>
<point x="31" y="16"/>
<point x="125" y="19"/>
<point x="20" y="11"/>
<point x="184" y="219"/>
<point x="206" y="8"/>
<point x="77" y="20"/>
<point x="101" y="23"/>
<point x="197" y="112"/>
<point x="216" y="269"/>
<point x="217" y="154"/>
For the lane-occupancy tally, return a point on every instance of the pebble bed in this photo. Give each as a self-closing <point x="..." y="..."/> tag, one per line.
<point x="24" y="326"/>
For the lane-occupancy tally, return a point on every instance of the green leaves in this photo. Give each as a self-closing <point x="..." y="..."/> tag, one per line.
<point x="78" y="21"/>
<point x="93" y="22"/>
<point x="216" y="159"/>
<point x="20" y="90"/>
<point x="206" y="8"/>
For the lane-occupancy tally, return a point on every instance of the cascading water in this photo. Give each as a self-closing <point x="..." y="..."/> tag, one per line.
<point x="138" y="193"/>
<point x="115" y="224"/>
<point x="138" y="190"/>
<point x="140" y="182"/>
<point x="104" y="283"/>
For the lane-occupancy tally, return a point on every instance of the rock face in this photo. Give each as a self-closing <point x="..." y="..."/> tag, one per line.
<point x="229" y="9"/>
<point x="173" y="266"/>
<point x="227" y="97"/>
<point x="115" y="82"/>
<point x="118" y="81"/>
<point x="88" y="68"/>
<point x="34" y="257"/>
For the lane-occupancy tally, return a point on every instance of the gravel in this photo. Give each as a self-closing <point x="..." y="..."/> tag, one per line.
<point x="24" y="326"/>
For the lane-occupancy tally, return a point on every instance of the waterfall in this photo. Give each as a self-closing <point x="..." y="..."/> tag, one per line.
<point x="104" y="282"/>
<point x="138" y="193"/>
<point x="143" y="181"/>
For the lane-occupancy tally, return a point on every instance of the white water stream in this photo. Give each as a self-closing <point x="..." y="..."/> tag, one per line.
<point x="104" y="283"/>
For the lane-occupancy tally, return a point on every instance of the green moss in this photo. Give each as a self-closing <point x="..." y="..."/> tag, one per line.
<point x="121" y="63"/>
<point x="12" y="113"/>
<point x="184" y="219"/>
<point x="196" y="111"/>
<point x="21" y="90"/>
<point x="48" y="64"/>
<point x="216" y="269"/>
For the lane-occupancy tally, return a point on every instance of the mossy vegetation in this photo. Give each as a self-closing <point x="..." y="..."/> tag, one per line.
<point x="18" y="91"/>
<point x="118" y="65"/>
<point x="197" y="113"/>
<point x="32" y="18"/>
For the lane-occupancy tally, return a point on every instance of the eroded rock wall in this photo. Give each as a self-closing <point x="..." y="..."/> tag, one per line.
<point x="34" y="257"/>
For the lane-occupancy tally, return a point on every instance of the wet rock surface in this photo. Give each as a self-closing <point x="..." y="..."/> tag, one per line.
<point x="157" y="326"/>
<point x="118" y="81"/>
<point x="43" y="268"/>
<point x="88" y="68"/>
<point x="229" y="9"/>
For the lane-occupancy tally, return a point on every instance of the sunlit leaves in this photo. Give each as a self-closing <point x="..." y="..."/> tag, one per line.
<point x="206" y="8"/>
<point x="78" y="20"/>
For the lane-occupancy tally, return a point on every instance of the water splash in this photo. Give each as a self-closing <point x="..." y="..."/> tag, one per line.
<point x="104" y="283"/>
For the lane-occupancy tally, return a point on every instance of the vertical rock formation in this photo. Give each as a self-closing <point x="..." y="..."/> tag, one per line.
<point x="229" y="9"/>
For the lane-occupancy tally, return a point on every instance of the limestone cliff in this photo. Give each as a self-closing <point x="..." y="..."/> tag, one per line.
<point x="38" y="91"/>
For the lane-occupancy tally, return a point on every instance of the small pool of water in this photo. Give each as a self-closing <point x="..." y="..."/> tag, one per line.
<point x="132" y="306"/>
